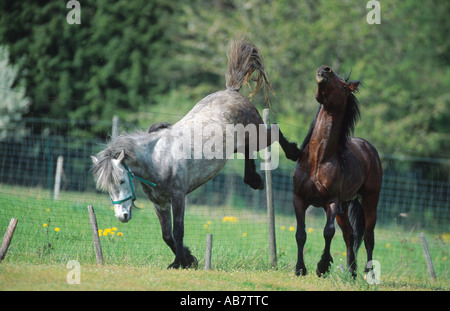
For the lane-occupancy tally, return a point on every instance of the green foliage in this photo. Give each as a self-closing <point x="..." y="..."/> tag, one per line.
<point x="127" y="58"/>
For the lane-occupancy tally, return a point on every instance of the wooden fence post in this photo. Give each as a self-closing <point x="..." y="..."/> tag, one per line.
<point x="208" y="251"/>
<point x="115" y="127"/>
<point x="7" y="238"/>
<point x="269" y="194"/>
<point x="59" y="171"/>
<point x="95" y="237"/>
<point x="427" y="256"/>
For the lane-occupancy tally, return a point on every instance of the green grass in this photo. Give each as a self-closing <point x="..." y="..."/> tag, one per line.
<point x="240" y="249"/>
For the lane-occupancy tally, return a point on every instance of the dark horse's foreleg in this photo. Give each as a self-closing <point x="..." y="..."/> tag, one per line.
<point x="300" y="235"/>
<point x="183" y="256"/>
<point x="328" y="232"/>
<point x="251" y="177"/>
<point x="290" y="148"/>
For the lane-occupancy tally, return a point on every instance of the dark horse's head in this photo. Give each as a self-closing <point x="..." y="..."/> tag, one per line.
<point x="331" y="89"/>
<point x="337" y="95"/>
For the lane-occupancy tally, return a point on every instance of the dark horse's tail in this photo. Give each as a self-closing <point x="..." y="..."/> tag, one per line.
<point x="243" y="59"/>
<point x="358" y="223"/>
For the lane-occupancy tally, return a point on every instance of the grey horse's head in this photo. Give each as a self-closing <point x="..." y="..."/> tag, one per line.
<point x="111" y="176"/>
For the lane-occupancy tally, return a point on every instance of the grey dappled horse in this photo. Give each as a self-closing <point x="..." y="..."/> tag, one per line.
<point x="167" y="161"/>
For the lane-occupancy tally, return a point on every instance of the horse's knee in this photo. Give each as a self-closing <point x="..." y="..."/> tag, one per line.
<point x="328" y="232"/>
<point x="300" y="236"/>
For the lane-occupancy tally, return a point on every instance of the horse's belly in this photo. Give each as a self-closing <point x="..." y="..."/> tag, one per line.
<point x="201" y="171"/>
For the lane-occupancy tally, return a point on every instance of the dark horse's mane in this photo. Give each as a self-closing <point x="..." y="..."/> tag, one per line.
<point x="351" y="116"/>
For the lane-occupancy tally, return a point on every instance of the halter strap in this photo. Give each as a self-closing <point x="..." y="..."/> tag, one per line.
<point x="130" y="178"/>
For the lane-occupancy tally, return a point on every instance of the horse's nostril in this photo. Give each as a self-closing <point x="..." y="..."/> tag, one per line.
<point x="327" y="69"/>
<point x="125" y="216"/>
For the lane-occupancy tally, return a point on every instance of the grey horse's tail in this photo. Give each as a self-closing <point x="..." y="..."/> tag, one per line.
<point x="243" y="59"/>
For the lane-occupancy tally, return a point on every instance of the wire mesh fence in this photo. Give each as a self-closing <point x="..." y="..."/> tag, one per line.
<point x="414" y="198"/>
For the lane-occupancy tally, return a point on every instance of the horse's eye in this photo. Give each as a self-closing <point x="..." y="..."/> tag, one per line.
<point x="122" y="181"/>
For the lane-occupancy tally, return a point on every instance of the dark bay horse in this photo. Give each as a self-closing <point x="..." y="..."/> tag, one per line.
<point x="339" y="173"/>
<point x="172" y="161"/>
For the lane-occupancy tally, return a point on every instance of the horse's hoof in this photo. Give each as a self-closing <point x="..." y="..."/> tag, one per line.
<point x="194" y="263"/>
<point x="174" y="265"/>
<point x="301" y="271"/>
<point x="322" y="270"/>
<point x="255" y="182"/>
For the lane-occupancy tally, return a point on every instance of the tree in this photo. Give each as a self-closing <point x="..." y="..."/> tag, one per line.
<point x="13" y="103"/>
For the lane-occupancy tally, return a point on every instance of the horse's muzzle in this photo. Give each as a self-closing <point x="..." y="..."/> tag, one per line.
<point x="322" y="74"/>
<point x="124" y="215"/>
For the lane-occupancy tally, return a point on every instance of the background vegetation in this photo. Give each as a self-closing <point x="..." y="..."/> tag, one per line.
<point x="131" y="57"/>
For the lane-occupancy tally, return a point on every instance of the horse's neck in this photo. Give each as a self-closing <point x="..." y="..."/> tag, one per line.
<point x="325" y="138"/>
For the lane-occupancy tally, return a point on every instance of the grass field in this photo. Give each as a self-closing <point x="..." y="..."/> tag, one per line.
<point x="50" y="233"/>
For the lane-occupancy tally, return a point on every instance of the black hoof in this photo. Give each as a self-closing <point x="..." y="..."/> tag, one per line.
<point x="323" y="267"/>
<point x="255" y="181"/>
<point x="301" y="271"/>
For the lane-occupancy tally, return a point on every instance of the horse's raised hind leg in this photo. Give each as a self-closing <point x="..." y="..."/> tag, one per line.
<point x="347" y="232"/>
<point x="300" y="235"/>
<point x="251" y="177"/>
<point x="328" y="232"/>
<point x="183" y="255"/>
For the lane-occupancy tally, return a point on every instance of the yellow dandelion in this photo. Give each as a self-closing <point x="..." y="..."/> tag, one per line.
<point x="105" y="233"/>
<point x="206" y="226"/>
<point x="111" y="208"/>
<point x="446" y="237"/>
<point x="388" y="245"/>
<point x="244" y="234"/>
<point x="114" y="228"/>
<point x="310" y="230"/>
<point x="57" y="229"/>
<point x="47" y="210"/>
<point x="44" y="225"/>
<point x="119" y="234"/>
<point x="209" y="222"/>
<point x="291" y="228"/>
<point x="444" y="258"/>
<point x="283" y="228"/>
<point x="231" y="219"/>
<point x="344" y="254"/>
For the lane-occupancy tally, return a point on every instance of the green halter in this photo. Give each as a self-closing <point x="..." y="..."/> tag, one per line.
<point x="130" y="178"/>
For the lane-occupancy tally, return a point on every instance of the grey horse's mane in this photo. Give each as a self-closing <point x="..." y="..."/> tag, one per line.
<point x="105" y="173"/>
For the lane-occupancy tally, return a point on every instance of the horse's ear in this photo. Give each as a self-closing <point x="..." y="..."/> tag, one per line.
<point x="94" y="159"/>
<point x="353" y="85"/>
<point x="121" y="156"/>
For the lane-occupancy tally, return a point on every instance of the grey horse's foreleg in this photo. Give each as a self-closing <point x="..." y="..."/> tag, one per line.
<point x="165" y="219"/>
<point x="183" y="256"/>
